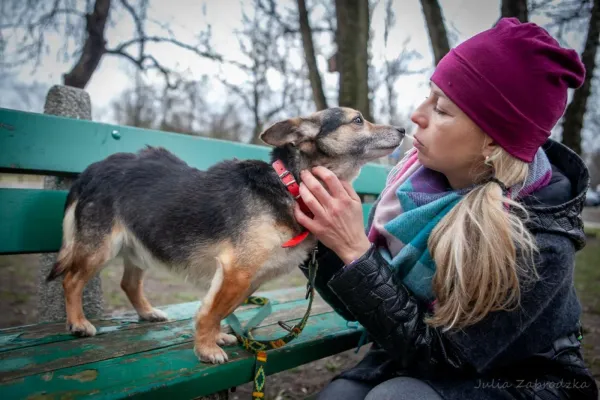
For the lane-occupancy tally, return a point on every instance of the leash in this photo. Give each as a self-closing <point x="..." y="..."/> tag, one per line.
<point x="260" y="347"/>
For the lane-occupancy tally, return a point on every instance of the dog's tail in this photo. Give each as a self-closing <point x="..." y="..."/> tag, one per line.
<point x="65" y="255"/>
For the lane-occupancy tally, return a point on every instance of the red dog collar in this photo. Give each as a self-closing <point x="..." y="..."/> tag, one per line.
<point x="292" y="186"/>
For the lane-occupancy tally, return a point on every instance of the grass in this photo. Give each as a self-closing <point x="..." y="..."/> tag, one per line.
<point x="587" y="272"/>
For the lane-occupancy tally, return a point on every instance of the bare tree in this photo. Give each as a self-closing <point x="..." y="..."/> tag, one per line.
<point x="17" y="95"/>
<point x="437" y="29"/>
<point x="574" y="115"/>
<point x="515" y="8"/>
<point x="181" y="108"/>
<point x="392" y="70"/>
<point x="267" y="51"/>
<point x="309" y="54"/>
<point x="33" y="21"/>
<point x="136" y="106"/>
<point x="225" y="124"/>
<point x="564" y="15"/>
<point x="352" y="58"/>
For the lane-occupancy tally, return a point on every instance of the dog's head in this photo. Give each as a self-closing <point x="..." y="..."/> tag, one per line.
<point x="337" y="138"/>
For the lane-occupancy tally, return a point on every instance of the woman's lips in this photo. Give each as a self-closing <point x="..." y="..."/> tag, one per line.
<point x="418" y="143"/>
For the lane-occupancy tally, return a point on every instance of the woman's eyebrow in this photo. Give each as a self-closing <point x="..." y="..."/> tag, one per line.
<point x="437" y="92"/>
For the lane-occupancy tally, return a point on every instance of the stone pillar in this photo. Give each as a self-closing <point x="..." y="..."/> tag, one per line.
<point x="65" y="101"/>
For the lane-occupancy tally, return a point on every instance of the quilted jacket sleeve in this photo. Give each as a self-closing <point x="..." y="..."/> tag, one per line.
<point x="393" y="317"/>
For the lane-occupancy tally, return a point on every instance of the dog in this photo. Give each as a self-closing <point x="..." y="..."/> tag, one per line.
<point x="222" y="229"/>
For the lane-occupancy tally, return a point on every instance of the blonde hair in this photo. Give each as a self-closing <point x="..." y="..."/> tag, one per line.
<point x="477" y="249"/>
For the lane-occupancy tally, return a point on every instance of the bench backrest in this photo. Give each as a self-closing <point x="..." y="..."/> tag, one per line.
<point x="31" y="143"/>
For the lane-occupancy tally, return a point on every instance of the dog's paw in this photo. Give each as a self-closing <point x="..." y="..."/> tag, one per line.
<point x="210" y="353"/>
<point x="82" y="328"/>
<point x="155" y="315"/>
<point x="225" y="339"/>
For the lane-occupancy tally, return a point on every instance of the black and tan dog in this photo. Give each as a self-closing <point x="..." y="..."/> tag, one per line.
<point x="222" y="228"/>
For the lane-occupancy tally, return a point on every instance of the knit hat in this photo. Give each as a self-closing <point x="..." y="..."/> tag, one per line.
<point x="512" y="81"/>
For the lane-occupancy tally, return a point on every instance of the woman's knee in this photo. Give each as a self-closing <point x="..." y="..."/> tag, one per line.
<point x="344" y="389"/>
<point x="403" y="388"/>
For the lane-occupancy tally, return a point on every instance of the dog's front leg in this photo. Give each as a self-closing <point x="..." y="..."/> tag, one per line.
<point x="229" y="287"/>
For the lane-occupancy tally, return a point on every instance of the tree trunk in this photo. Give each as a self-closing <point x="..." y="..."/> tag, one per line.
<point x="311" y="61"/>
<point x="515" y="8"/>
<point x="436" y="28"/>
<point x="352" y="59"/>
<point x="93" y="49"/>
<point x="573" y="119"/>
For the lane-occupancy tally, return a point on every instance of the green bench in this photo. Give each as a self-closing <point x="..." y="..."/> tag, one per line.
<point x="130" y="358"/>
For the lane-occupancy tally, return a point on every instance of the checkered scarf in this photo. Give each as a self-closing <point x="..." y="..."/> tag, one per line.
<point x="414" y="200"/>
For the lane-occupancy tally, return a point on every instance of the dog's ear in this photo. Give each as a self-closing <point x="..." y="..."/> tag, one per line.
<point x="292" y="131"/>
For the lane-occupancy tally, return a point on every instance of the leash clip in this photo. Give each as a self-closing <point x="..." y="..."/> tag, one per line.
<point x="309" y="289"/>
<point x="285" y="326"/>
<point x="311" y="270"/>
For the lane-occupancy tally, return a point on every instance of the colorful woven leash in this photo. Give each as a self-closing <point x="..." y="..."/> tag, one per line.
<point x="260" y="347"/>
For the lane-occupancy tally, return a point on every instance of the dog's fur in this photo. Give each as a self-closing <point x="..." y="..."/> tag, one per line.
<point x="222" y="228"/>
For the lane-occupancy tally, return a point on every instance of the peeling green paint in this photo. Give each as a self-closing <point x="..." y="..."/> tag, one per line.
<point x="7" y="339"/>
<point x="84" y="376"/>
<point x="162" y="371"/>
<point x="14" y="363"/>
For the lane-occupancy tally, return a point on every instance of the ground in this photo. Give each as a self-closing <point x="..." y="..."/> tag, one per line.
<point x="18" y="307"/>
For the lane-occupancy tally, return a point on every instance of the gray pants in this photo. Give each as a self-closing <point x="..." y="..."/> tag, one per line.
<point x="401" y="388"/>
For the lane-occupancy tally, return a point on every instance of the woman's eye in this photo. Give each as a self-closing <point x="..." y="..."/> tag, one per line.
<point x="357" y="120"/>
<point x="437" y="110"/>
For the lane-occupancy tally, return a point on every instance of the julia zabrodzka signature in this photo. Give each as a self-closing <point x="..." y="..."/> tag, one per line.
<point x="521" y="383"/>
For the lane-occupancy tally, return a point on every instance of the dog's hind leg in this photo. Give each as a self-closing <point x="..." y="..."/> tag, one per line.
<point x="230" y="286"/>
<point x="73" y="284"/>
<point x="84" y="267"/>
<point x="88" y="260"/>
<point x="133" y="286"/>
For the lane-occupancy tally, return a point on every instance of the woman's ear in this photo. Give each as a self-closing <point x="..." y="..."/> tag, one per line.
<point x="489" y="147"/>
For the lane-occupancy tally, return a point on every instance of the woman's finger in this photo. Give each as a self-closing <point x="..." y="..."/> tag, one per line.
<point x="317" y="190"/>
<point x="350" y="190"/>
<point x="304" y="219"/>
<point x="331" y="181"/>
<point x="311" y="201"/>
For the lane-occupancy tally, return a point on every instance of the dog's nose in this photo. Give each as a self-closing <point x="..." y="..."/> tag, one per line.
<point x="401" y="130"/>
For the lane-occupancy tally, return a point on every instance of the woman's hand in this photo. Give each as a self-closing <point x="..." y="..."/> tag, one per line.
<point x="338" y="217"/>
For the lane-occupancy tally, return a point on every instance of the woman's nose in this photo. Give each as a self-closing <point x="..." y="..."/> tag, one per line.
<point x="419" y="117"/>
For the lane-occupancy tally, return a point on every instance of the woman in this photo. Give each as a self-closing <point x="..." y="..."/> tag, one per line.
<point x="463" y="279"/>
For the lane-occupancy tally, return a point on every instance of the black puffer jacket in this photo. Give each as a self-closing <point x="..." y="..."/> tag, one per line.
<point x="531" y="352"/>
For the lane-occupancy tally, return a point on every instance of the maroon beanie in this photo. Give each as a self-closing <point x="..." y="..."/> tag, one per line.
<point x="512" y="81"/>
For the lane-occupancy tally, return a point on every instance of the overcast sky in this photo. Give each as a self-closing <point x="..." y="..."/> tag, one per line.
<point x="185" y="18"/>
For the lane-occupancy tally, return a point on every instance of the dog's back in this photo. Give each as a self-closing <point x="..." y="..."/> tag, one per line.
<point x="155" y="208"/>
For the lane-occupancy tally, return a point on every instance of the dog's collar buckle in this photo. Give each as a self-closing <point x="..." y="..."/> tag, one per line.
<point x="292" y="186"/>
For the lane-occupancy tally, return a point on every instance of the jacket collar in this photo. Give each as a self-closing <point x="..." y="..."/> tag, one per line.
<point x="556" y="208"/>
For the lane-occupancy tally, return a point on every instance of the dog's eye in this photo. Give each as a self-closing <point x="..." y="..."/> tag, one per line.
<point x="358" y="120"/>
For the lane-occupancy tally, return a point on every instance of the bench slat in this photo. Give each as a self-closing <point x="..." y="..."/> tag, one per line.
<point x="156" y="360"/>
<point x="39" y="334"/>
<point x="146" y="337"/>
<point x="32" y="220"/>
<point x="33" y="142"/>
<point x="175" y="371"/>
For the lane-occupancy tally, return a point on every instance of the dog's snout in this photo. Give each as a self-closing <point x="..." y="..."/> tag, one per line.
<point x="402" y="131"/>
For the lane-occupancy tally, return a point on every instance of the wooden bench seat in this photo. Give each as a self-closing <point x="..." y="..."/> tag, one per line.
<point x="128" y="358"/>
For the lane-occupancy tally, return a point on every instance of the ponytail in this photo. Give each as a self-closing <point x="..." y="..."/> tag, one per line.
<point x="476" y="246"/>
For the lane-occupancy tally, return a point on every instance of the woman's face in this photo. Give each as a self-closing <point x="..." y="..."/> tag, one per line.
<point x="447" y="140"/>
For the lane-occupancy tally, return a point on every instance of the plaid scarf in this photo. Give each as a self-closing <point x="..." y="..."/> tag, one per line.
<point x="414" y="200"/>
